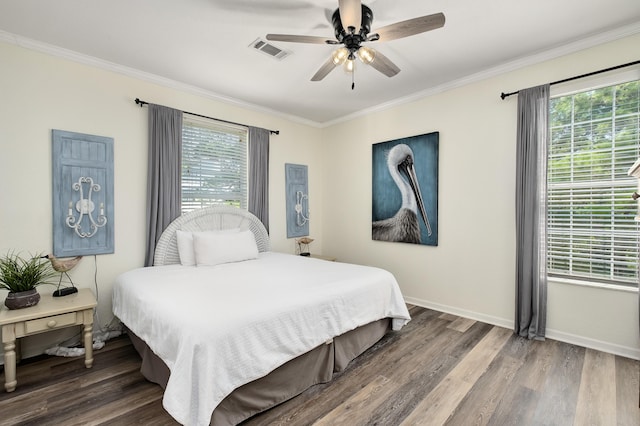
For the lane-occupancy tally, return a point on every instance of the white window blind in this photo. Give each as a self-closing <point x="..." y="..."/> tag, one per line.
<point x="214" y="164"/>
<point x="591" y="229"/>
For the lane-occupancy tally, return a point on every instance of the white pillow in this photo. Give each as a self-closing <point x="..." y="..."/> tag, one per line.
<point x="185" y="244"/>
<point x="185" y="248"/>
<point x="214" y="249"/>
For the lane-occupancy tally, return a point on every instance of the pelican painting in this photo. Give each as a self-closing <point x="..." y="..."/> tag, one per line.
<point x="405" y="190"/>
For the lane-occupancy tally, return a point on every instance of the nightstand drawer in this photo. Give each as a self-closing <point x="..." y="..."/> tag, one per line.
<point x="50" y="323"/>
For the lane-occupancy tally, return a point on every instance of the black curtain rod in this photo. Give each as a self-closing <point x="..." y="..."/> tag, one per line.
<point x="142" y="103"/>
<point x="504" y="95"/>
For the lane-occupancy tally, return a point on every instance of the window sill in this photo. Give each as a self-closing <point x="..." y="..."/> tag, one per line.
<point x="592" y="284"/>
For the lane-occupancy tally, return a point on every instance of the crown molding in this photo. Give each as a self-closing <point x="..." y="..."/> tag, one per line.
<point x="92" y="61"/>
<point x="559" y="51"/>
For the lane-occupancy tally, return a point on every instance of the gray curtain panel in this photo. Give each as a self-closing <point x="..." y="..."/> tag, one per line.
<point x="531" y="212"/>
<point x="259" y="174"/>
<point x="164" y="195"/>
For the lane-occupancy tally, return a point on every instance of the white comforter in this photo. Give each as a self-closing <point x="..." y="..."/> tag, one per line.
<point x="219" y="327"/>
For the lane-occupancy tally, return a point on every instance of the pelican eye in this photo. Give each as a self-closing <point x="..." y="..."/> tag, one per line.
<point x="408" y="161"/>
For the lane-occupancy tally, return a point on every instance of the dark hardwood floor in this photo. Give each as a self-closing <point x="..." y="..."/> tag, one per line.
<point x="439" y="369"/>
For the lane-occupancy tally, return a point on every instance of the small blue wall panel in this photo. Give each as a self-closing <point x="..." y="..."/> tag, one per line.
<point x="297" y="200"/>
<point x="76" y="158"/>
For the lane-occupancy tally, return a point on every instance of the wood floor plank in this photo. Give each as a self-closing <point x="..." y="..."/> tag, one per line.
<point x="357" y="409"/>
<point x="442" y="401"/>
<point x="627" y="377"/>
<point x="69" y="406"/>
<point x="480" y="403"/>
<point x="48" y="400"/>
<point x="117" y="408"/>
<point x="559" y="392"/>
<point x="448" y="317"/>
<point x="426" y="370"/>
<point x="151" y="413"/>
<point x="597" y="395"/>
<point x="461" y="324"/>
<point x="518" y="405"/>
<point x="519" y="410"/>
<point x="539" y="363"/>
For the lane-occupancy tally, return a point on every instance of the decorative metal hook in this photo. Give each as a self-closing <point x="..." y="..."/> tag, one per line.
<point x="85" y="207"/>
<point x="301" y="219"/>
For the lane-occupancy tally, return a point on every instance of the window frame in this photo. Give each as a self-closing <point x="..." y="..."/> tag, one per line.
<point x="232" y="131"/>
<point x="572" y="88"/>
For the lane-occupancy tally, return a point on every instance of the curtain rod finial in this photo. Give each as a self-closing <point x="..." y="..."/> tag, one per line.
<point x="503" y="95"/>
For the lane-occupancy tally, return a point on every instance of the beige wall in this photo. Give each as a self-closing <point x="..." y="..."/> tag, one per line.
<point x="471" y="272"/>
<point x="40" y="92"/>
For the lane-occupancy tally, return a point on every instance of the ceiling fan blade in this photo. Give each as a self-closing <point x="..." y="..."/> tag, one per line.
<point x="328" y="14"/>
<point x="324" y="70"/>
<point x="411" y="27"/>
<point x="299" y="39"/>
<point x="350" y="14"/>
<point x="384" y="65"/>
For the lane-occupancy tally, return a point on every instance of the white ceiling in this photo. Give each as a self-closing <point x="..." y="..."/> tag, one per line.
<point x="203" y="45"/>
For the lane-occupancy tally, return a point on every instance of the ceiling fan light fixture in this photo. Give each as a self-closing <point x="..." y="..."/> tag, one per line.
<point x="340" y="55"/>
<point x="350" y="65"/>
<point x="366" y="55"/>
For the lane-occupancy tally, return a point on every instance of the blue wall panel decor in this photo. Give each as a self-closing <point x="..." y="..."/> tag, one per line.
<point x="82" y="194"/>
<point x="297" y="199"/>
<point x="405" y="190"/>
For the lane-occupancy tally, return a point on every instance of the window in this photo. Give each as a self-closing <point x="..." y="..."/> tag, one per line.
<point x="592" y="234"/>
<point x="214" y="164"/>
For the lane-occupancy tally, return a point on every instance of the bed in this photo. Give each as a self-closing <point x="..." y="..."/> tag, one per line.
<point x="230" y="328"/>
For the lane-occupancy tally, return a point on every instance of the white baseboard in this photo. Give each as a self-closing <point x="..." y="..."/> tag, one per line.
<point x="586" y="342"/>
<point x="500" y="322"/>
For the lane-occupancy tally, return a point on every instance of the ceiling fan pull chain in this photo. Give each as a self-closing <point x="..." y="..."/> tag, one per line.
<point x="353" y="83"/>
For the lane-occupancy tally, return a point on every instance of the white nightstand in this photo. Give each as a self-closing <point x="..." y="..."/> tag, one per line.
<point x="51" y="313"/>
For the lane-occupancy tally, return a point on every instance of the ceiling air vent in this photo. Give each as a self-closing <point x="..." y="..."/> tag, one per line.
<point x="269" y="49"/>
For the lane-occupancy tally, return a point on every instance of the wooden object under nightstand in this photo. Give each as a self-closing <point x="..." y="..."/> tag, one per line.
<point x="51" y="313"/>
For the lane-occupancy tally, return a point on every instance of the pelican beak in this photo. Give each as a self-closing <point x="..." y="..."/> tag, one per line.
<point x="413" y="181"/>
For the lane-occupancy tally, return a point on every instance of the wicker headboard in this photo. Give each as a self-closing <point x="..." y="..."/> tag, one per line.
<point x="208" y="219"/>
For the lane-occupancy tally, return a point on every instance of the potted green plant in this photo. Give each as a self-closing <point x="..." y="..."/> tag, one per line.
<point x="21" y="276"/>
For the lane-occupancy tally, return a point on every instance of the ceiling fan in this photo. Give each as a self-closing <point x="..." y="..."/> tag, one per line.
<point x="352" y="24"/>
